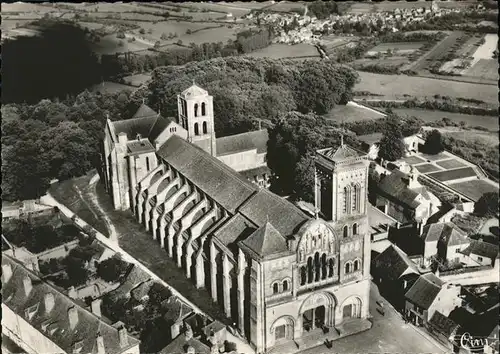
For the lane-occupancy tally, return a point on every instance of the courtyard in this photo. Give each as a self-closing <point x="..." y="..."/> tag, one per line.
<point x="453" y="171"/>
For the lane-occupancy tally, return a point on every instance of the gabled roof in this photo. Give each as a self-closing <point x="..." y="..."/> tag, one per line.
<point x="425" y="290"/>
<point x="266" y="241"/>
<point x="221" y="183"/>
<point x="134" y="277"/>
<point x="57" y="319"/>
<point x="394" y="263"/>
<point x="177" y="309"/>
<point x="447" y="233"/>
<point x="443" y="324"/>
<point x="342" y="153"/>
<point x="266" y="206"/>
<point x="181" y="343"/>
<point x="242" y="142"/>
<point x="144" y="111"/>
<point x="236" y="228"/>
<point x="194" y="91"/>
<point x="482" y="248"/>
<point x="257" y="171"/>
<point x="139" y="146"/>
<point x="395" y="186"/>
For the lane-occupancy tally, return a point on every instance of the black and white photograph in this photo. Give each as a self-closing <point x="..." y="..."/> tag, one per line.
<point x="250" y="177"/>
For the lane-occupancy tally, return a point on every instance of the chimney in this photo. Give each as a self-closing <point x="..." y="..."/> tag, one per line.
<point x="122" y="334"/>
<point x="96" y="307"/>
<point x="6" y="273"/>
<point x="49" y="302"/>
<point x="73" y="317"/>
<point x="72" y="292"/>
<point x="100" y="344"/>
<point x="122" y="138"/>
<point x="27" y="285"/>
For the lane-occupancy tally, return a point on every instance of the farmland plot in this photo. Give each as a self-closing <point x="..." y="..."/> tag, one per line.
<point x="109" y="44"/>
<point x="210" y="35"/>
<point x="352" y="112"/>
<point x="396" y="86"/>
<point x="397" y="48"/>
<point x="474" y="189"/>
<point x="278" y="51"/>
<point x="170" y="26"/>
<point x="484" y="68"/>
<point x="25" y="7"/>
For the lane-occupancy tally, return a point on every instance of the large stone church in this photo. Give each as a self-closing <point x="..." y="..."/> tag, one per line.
<point x="287" y="280"/>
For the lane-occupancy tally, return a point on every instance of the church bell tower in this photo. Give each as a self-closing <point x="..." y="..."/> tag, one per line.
<point x="196" y="115"/>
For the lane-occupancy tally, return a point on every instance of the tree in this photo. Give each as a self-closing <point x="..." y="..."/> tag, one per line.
<point x="76" y="271"/>
<point x="487" y="205"/>
<point x="142" y="31"/>
<point x="158" y="293"/>
<point x="391" y="146"/>
<point x="433" y="143"/>
<point x="112" y="269"/>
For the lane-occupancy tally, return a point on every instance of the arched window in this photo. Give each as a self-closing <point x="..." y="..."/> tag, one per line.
<point x="205" y="129"/>
<point x="356" y="265"/>
<point x="285" y="285"/>
<point x="147" y="163"/>
<point x="275" y="288"/>
<point x="354" y="229"/>
<point x="196" y="129"/>
<point x="184" y="107"/>
<point x="331" y="265"/>
<point x="196" y="109"/>
<point x="347" y="268"/>
<point x="310" y="270"/>
<point x="317" y="267"/>
<point x="347" y="199"/>
<point x="303" y="275"/>
<point x="356" y="198"/>
<point x="324" y="266"/>
<point x="345" y="231"/>
<point x="203" y="109"/>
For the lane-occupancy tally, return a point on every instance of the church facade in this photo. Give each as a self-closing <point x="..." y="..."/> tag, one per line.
<point x="286" y="280"/>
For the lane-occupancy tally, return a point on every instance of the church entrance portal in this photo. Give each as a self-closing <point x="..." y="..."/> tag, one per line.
<point x="313" y="318"/>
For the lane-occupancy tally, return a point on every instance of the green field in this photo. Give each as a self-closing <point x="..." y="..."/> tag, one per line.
<point x="278" y="51"/>
<point x="406" y="47"/>
<point x="352" y="113"/>
<point x="449" y="164"/>
<point x="451" y="175"/>
<point x="425" y="168"/>
<point x="396" y="86"/>
<point x="487" y="122"/>
<point x="137" y="80"/>
<point x="475" y="189"/>
<point x="484" y="68"/>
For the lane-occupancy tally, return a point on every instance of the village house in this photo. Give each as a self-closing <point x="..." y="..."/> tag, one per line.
<point x="445" y="330"/>
<point x="40" y="319"/>
<point x="402" y="197"/>
<point x="429" y="294"/>
<point x="479" y="253"/>
<point x="370" y="143"/>
<point x="445" y="240"/>
<point x="282" y="276"/>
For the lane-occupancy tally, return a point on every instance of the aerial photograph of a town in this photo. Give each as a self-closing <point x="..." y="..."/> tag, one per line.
<point x="272" y="177"/>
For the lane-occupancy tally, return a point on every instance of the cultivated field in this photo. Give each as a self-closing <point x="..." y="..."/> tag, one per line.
<point x="450" y="175"/>
<point x="425" y="168"/>
<point x="352" y="112"/>
<point x="286" y="6"/>
<point x="396" y="48"/>
<point x="474" y="189"/>
<point x="111" y="87"/>
<point x="487" y="122"/>
<point x="484" y="69"/>
<point x="367" y="7"/>
<point x="278" y="51"/>
<point x="175" y="27"/>
<point x="396" y="86"/>
<point x="137" y="80"/>
<point x="109" y="44"/>
<point x="450" y="164"/>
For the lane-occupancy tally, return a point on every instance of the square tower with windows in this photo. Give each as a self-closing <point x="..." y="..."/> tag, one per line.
<point x="196" y="115"/>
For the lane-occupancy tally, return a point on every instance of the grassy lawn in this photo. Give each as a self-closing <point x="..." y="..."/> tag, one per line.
<point x="449" y="164"/>
<point x="425" y="168"/>
<point x="139" y="243"/>
<point x="279" y="51"/>
<point x="474" y="189"/>
<point x="436" y="157"/>
<point x="66" y="192"/>
<point x="351" y="113"/>
<point x="413" y="160"/>
<point x="453" y="174"/>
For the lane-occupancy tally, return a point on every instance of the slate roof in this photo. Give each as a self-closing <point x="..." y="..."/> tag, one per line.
<point x="212" y="176"/>
<point x="146" y="122"/>
<point x="425" y="290"/>
<point x="447" y="232"/>
<point x="393" y="263"/>
<point x="242" y="142"/>
<point x="88" y="325"/>
<point x="177" y="309"/>
<point x="266" y="206"/>
<point x="343" y="152"/>
<point x="483" y="249"/>
<point x="443" y="324"/>
<point x="144" y="111"/>
<point x="395" y="186"/>
<point x="235" y="229"/>
<point x="266" y="241"/>
<point x="134" y="277"/>
<point x="140" y="291"/>
<point x="193" y="91"/>
<point x="181" y="343"/>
